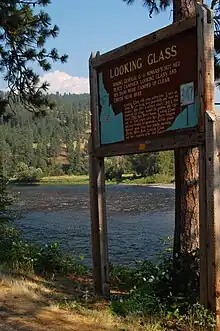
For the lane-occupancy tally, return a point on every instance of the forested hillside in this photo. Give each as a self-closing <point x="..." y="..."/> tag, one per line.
<point x="37" y="141"/>
<point x="56" y="144"/>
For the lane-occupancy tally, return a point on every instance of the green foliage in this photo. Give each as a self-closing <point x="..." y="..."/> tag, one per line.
<point x="16" y="254"/>
<point x="19" y="255"/>
<point x="149" y="164"/>
<point x="55" y="169"/>
<point x="25" y="174"/>
<point x="24" y="30"/>
<point x="154" y="6"/>
<point x="115" y="167"/>
<point x="164" y="163"/>
<point x="153" y="167"/>
<point x="154" y="179"/>
<point x="198" y="318"/>
<point x="168" y="289"/>
<point x="50" y="259"/>
<point x="51" y="143"/>
<point x="56" y="144"/>
<point x="143" y="164"/>
<point x="114" y="173"/>
<point x="6" y="201"/>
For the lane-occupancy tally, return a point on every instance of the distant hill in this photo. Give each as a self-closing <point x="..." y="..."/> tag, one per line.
<point x="53" y="143"/>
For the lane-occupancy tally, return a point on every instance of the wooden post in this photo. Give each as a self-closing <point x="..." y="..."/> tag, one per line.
<point x="213" y="213"/>
<point x="97" y="195"/>
<point x="103" y="228"/>
<point x="94" y="212"/>
<point x="93" y="175"/>
<point x="202" y="162"/>
<point x="206" y="103"/>
<point x="203" y="227"/>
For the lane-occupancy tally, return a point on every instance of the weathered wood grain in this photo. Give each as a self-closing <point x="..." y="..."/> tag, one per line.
<point x="94" y="102"/>
<point x="103" y="228"/>
<point x="156" y="144"/>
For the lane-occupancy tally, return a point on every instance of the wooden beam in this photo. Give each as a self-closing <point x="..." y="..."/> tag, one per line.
<point x="200" y="61"/>
<point x="145" y="41"/>
<point x="213" y="214"/>
<point x="217" y="218"/>
<point x="206" y="102"/>
<point x="203" y="228"/>
<point x="207" y="124"/>
<point x="156" y="144"/>
<point x="208" y="36"/>
<point x="94" y="212"/>
<point x="103" y="228"/>
<point x="94" y="101"/>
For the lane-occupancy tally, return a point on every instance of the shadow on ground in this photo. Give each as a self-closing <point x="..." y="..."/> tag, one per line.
<point x="32" y="303"/>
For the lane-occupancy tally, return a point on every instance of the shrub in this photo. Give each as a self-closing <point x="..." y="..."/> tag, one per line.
<point x="114" y="173"/>
<point x="51" y="259"/>
<point x="17" y="254"/>
<point x="169" y="284"/>
<point x="25" y="174"/>
<point x="55" y="169"/>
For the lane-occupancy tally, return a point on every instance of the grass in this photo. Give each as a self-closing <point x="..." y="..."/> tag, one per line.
<point x="84" y="179"/>
<point x="72" y="179"/>
<point x="154" y="179"/>
<point x="32" y="304"/>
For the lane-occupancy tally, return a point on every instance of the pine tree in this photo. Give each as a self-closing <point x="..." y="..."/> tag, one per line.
<point x="24" y="30"/>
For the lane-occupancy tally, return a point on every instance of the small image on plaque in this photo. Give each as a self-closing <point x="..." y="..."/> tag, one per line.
<point x="187" y="94"/>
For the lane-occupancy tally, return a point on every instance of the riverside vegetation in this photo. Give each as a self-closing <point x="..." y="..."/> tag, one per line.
<point x="33" y="148"/>
<point x="150" y="296"/>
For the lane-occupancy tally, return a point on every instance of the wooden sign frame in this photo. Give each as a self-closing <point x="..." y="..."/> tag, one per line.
<point x="206" y="137"/>
<point x="190" y="137"/>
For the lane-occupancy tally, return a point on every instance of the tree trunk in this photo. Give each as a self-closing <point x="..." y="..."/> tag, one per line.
<point x="183" y="9"/>
<point x="186" y="235"/>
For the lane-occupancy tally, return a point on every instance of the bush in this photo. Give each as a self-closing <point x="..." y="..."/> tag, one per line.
<point x="19" y="255"/>
<point x="161" y="284"/>
<point x="55" y="169"/>
<point x="114" y="173"/>
<point x="168" y="289"/>
<point x="50" y="259"/>
<point x="25" y="174"/>
<point x="15" y="254"/>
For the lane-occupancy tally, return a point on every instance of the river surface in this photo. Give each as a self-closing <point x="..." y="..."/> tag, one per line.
<point x="138" y="217"/>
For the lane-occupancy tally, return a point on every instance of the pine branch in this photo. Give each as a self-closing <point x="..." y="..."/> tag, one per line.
<point x="23" y="34"/>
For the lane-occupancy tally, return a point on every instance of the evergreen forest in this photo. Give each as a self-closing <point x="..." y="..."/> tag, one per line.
<point x="56" y="144"/>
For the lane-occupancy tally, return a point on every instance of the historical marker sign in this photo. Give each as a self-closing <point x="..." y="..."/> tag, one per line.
<point x="148" y="88"/>
<point x="149" y="92"/>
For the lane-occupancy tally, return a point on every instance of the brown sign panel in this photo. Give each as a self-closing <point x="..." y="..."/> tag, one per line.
<point x="149" y="92"/>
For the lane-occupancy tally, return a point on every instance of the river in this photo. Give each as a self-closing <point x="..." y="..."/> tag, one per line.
<point x="138" y="217"/>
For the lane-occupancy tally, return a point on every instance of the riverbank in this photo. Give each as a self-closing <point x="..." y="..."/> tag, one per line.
<point x="126" y="179"/>
<point x="34" y="304"/>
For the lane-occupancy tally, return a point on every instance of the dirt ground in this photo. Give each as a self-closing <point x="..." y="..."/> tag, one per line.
<point x="32" y="304"/>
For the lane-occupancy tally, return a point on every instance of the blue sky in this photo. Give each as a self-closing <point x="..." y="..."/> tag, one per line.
<point x="87" y="26"/>
<point x="99" y="25"/>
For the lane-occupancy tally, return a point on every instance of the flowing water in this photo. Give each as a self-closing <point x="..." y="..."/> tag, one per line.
<point x="138" y="217"/>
